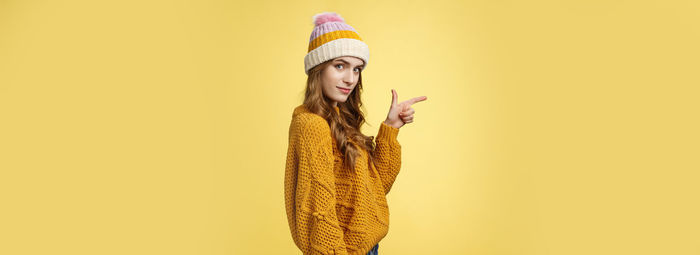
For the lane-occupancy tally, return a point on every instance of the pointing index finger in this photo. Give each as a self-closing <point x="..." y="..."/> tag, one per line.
<point x="417" y="99"/>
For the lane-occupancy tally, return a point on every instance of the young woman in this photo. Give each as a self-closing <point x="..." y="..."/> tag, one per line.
<point x="336" y="178"/>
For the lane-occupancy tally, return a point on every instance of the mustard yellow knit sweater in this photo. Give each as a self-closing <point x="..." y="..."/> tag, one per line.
<point x="330" y="208"/>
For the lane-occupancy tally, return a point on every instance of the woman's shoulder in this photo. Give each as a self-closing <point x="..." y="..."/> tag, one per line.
<point x="307" y="122"/>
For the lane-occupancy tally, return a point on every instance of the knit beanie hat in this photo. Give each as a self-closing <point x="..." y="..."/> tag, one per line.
<point x="332" y="38"/>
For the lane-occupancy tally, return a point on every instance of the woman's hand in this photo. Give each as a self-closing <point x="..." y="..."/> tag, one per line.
<point x="401" y="113"/>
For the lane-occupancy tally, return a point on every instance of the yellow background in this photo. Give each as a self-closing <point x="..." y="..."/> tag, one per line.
<point x="160" y="127"/>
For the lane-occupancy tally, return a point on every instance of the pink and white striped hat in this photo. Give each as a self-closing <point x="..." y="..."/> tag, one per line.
<point x="332" y="38"/>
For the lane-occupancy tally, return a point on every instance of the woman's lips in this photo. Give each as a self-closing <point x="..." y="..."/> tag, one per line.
<point x="346" y="91"/>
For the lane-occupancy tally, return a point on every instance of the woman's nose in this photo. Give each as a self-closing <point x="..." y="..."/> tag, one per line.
<point x="349" y="78"/>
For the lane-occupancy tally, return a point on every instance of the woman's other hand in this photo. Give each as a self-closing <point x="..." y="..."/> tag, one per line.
<point x="401" y="113"/>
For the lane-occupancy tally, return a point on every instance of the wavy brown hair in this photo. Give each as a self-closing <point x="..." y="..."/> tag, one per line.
<point x="345" y="125"/>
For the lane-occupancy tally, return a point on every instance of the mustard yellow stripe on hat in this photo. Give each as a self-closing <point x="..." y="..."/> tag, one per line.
<point x="330" y="36"/>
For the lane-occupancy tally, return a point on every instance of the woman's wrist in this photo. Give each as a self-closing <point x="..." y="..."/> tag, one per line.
<point x="394" y="125"/>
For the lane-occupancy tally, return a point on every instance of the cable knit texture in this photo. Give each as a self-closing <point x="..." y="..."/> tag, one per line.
<point x="332" y="209"/>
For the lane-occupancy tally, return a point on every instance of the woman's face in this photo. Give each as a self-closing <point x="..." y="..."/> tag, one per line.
<point x="340" y="77"/>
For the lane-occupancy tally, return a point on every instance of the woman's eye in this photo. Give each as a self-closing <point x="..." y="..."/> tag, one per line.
<point x="339" y="65"/>
<point x="358" y="69"/>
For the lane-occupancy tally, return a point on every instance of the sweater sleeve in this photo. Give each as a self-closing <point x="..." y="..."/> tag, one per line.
<point x="387" y="155"/>
<point x="317" y="222"/>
